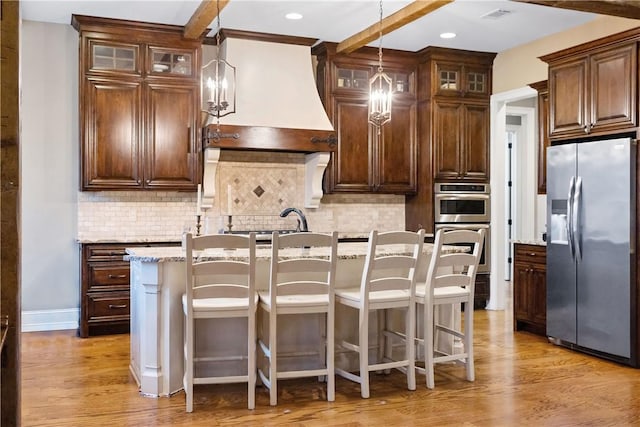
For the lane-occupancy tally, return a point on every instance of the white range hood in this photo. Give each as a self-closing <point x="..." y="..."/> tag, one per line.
<point x="277" y="103"/>
<point x="275" y="85"/>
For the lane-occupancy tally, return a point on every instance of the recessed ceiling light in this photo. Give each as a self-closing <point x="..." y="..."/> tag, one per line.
<point x="293" y="15"/>
<point x="447" y="35"/>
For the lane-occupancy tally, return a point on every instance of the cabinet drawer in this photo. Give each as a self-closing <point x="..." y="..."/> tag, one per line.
<point x="105" y="253"/>
<point x="535" y="254"/>
<point x="108" y="306"/>
<point x="108" y="276"/>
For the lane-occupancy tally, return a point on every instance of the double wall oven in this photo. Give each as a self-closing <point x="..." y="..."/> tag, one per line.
<point x="465" y="206"/>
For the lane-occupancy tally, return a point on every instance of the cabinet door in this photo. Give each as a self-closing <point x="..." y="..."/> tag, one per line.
<point x="447" y="79"/>
<point x="476" y="82"/>
<point x="461" y="141"/>
<point x="543" y="141"/>
<point x="538" y="296"/>
<point x="350" y="169"/>
<point x="396" y="150"/>
<point x="475" y="143"/>
<point x="567" y="98"/>
<point x="447" y="133"/>
<point x="111" y="140"/>
<point x="613" y="75"/>
<point x="171" y="160"/>
<point x="521" y="292"/>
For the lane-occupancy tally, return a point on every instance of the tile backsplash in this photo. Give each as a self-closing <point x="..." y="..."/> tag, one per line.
<point x="252" y="186"/>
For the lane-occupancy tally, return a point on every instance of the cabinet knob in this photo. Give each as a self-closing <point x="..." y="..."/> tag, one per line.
<point x="532" y="254"/>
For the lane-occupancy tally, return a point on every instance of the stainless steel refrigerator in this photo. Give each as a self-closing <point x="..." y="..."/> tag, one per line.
<point x="591" y="199"/>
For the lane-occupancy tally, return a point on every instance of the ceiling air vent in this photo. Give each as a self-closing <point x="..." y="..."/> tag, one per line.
<point x="496" y="14"/>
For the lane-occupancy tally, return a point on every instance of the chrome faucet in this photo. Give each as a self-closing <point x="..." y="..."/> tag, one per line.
<point x="302" y="219"/>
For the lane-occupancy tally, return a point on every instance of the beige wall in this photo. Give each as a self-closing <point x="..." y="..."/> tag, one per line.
<point x="517" y="67"/>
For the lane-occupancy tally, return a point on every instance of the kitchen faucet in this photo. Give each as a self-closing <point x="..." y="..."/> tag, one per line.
<point x="302" y="219"/>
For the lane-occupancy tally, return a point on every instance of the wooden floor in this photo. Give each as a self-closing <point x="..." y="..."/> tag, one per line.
<point x="521" y="379"/>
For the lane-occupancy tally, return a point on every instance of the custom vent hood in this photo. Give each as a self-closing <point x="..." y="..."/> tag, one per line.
<point x="277" y="103"/>
<point x="278" y="107"/>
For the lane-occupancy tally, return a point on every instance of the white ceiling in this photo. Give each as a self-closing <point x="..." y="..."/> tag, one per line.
<point x="336" y="20"/>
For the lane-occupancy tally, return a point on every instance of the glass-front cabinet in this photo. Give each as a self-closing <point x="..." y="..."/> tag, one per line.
<point x="167" y="61"/>
<point x="113" y="57"/>
<point x="349" y="78"/>
<point x="352" y="79"/>
<point x="460" y="80"/>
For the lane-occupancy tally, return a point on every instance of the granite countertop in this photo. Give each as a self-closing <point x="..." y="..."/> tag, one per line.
<point x="537" y="242"/>
<point x="346" y="250"/>
<point x="352" y="235"/>
<point x="142" y="239"/>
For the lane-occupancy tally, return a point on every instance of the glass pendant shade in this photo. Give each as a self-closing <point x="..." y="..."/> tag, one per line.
<point x="218" y="88"/>
<point x="380" y="93"/>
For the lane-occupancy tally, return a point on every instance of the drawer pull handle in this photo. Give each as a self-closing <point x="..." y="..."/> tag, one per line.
<point x="117" y="253"/>
<point x="117" y="276"/>
<point x="114" y="306"/>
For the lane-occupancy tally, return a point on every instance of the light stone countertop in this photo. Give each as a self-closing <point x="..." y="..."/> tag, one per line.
<point x="178" y="238"/>
<point x="537" y="242"/>
<point x="346" y="250"/>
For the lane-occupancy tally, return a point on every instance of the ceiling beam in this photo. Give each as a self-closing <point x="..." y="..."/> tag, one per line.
<point x="206" y="12"/>
<point x="407" y="14"/>
<point x="622" y="8"/>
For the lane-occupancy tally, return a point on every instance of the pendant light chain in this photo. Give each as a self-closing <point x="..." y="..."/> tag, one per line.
<point x="380" y="40"/>
<point x="380" y="89"/>
<point x="218" y="57"/>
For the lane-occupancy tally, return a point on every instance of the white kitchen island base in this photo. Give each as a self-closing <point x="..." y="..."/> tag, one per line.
<point x="157" y="319"/>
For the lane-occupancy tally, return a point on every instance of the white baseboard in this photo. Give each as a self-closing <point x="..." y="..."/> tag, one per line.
<point x="50" y="320"/>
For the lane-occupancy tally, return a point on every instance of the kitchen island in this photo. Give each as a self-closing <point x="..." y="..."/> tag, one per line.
<point x="157" y="285"/>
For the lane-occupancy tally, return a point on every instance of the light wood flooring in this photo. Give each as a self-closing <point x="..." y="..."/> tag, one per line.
<point x="521" y="380"/>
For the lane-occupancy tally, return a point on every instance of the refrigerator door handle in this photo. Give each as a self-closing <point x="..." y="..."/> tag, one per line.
<point x="575" y="221"/>
<point x="572" y="188"/>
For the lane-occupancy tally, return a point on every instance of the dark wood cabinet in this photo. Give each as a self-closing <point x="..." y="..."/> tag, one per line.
<point x="543" y="132"/>
<point x="529" y="288"/>
<point x="104" y="290"/>
<point x="592" y="88"/>
<point x="460" y="141"/>
<point x="139" y="105"/>
<point x="111" y="133"/>
<point x="365" y="160"/>
<point x="482" y="291"/>
<point x="453" y="116"/>
<point x="456" y="78"/>
<point x="171" y="157"/>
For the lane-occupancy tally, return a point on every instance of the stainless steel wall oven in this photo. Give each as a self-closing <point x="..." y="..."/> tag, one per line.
<point x="465" y="206"/>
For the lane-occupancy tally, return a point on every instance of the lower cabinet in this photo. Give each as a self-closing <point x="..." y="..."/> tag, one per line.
<point x="481" y="293"/>
<point x="104" y="290"/>
<point x="530" y="288"/>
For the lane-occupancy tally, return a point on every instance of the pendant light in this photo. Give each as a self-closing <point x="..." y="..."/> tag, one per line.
<point x="380" y="91"/>
<point x="218" y="84"/>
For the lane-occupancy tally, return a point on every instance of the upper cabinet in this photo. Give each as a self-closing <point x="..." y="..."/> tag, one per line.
<point x="453" y="78"/>
<point x="139" y="105"/>
<point x="366" y="160"/>
<point x="459" y="91"/>
<point x="592" y="88"/>
<point x="543" y="132"/>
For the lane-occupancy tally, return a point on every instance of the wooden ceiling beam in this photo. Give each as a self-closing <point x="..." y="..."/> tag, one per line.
<point x="206" y="12"/>
<point x="621" y="8"/>
<point x="407" y="14"/>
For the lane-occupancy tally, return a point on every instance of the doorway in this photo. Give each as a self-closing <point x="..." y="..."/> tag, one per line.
<point x="516" y="202"/>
